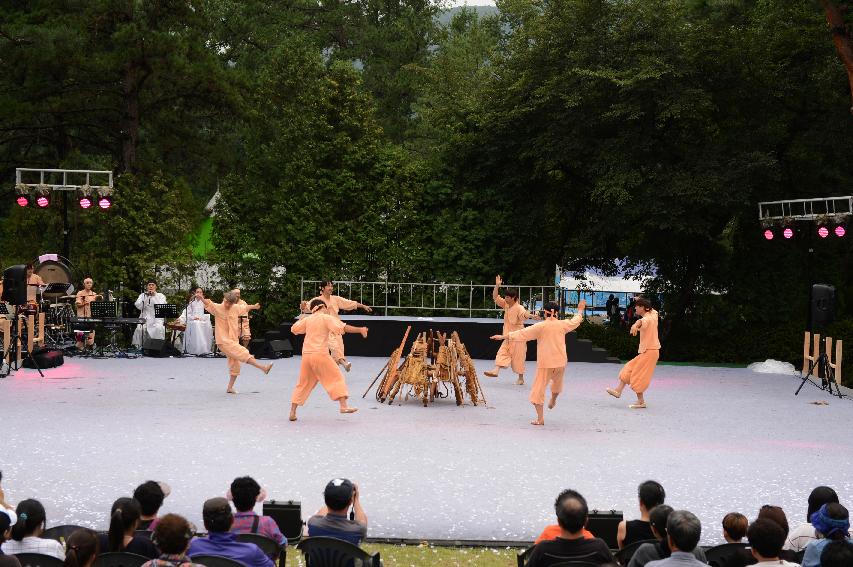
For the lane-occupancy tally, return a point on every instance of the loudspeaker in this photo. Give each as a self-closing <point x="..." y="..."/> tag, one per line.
<point x="823" y="306"/>
<point x="15" y="285"/>
<point x="158" y="348"/>
<point x="45" y="358"/>
<point x="288" y="516"/>
<point x="282" y="348"/>
<point x="277" y="348"/>
<point x="604" y="525"/>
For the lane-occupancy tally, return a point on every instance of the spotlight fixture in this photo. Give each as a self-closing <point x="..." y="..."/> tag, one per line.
<point x="22" y="195"/>
<point x="788" y="233"/>
<point x="85" y="198"/>
<point x="822" y="231"/>
<point x="105" y="199"/>
<point x="768" y="234"/>
<point x="22" y="200"/>
<point x="840" y="231"/>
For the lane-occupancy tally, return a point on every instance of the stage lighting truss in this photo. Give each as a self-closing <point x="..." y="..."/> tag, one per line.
<point x="828" y="217"/>
<point x="76" y="181"/>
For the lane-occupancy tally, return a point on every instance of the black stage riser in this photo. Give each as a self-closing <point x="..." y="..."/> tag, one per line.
<point x="386" y="333"/>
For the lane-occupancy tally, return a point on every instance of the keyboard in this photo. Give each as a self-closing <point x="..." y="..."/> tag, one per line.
<point x="80" y="321"/>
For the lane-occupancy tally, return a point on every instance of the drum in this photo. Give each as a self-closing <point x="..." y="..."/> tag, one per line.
<point x="59" y="316"/>
<point x="175" y="326"/>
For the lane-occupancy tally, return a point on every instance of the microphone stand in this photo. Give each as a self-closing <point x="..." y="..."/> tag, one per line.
<point x="187" y="323"/>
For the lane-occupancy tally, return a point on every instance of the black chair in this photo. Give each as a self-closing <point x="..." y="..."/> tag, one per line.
<point x="322" y="551"/>
<point x="564" y="561"/>
<point x="215" y="561"/>
<point x="522" y="556"/>
<point x="575" y="564"/>
<point x="39" y="560"/>
<point x="269" y="546"/>
<point x="61" y="533"/>
<point x="120" y="559"/>
<point x="720" y="555"/>
<point x="624" y="555"/>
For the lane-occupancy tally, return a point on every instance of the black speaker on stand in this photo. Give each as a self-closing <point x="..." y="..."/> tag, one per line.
<point x="822" y="306"/>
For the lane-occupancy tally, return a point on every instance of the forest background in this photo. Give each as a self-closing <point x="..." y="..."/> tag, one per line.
<point x="390" y="139"/>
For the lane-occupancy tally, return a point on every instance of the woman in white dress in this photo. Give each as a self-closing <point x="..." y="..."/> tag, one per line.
<point x="198" y="336"/>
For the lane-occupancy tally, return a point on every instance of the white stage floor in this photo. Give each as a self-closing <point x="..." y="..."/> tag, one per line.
<point x="718" y="439"/>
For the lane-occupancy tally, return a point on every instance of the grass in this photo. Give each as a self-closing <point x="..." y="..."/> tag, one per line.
<point x="424" y="555"/>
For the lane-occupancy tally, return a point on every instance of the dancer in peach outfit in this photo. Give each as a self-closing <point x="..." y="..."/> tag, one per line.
<point x="551" y="359"/>
<point x="245" y="330"/>
<point x="317" y="363"/>
<point x="511" y="353"/>
<point x="334" y="304"/>
<point x="638" y="372"/>
<point x="227" y="316"/>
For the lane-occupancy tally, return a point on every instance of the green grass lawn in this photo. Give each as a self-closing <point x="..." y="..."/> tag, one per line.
<point x="424" y="555"/>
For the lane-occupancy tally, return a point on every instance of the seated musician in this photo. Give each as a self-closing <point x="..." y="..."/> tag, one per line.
<point x="198" y="335"/>
<point x="84" y="300"/>
<point x="152" y="328"/>
<point x="35" y="285"/>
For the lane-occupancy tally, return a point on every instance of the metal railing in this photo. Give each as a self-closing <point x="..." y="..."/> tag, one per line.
<point x="408" y="298"/>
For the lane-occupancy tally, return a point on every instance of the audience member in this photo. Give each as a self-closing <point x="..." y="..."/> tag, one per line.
<point x="26" y="531"/>
<point x="553" y="531"/>
<point x="832" y="523"/>
<point x="6" y="533"/>
<point x="245" y="493"/>
<point x="649" y="552"/>
<point x="683" y="531"/>
<point x="124" y="520"/>
<point x="172" y="536"/>
<point x="800" y="536"/>
<point x="150" y="495"/>
<point x="776" y="514"/>
<point x="81" y="548"/>
<point x="837" y="554"/>
<point x="332" y="521"/>
<point x="220" y="541"/>
<point x="572" y="514"/>
<point x="650" y="494"/>
<point x="766" y="538"/>
<point x="734" y="527"/>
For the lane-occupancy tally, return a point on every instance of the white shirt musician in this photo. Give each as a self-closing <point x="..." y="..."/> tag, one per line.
<point x="198" y="336"/>
<point x="152" y="328"/>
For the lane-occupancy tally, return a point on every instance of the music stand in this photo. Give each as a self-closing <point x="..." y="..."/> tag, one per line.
<point x="106" y="311"/>
<point x="103" y="309"/>
<point x="165" y="310"/>
<point x="57" y="288"/>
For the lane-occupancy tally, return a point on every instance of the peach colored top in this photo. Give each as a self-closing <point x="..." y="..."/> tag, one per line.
<point x="227" y="320"/>
<point x="84" y="302"/>
<point x="649" y="332"/>
<point x="550" y="337"/>
<point x="514" y="317"/>
<point x="32" y="290"/>
<point x="317" y="328"/>
<point x="337" y="303"/>
<point x="245" y="320"/>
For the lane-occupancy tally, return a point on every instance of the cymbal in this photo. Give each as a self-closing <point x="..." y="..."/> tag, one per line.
<point x="68" y="297"/>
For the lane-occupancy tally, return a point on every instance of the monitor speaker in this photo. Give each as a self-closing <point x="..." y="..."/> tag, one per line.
<point x="288" y="516"/>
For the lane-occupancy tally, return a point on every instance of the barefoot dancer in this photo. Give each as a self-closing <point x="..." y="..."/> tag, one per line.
<point x="317" y="363"/>
<point x="511" y="353"/>
<point x="334" y="304"/>
<point x="227" y="316"/>
<point x="550" y="337"/>
<point x="638" y="372"/>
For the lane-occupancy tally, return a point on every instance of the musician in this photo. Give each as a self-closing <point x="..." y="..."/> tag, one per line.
<point x="198" y="336"/>
<point x="245" y="331"/>
<point x="152" y="328"/>
<point x="35" y="285"/>
<point x="83" y="301"/>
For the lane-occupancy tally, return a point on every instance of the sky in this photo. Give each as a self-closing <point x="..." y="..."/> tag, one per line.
<point x="455" y="3"/>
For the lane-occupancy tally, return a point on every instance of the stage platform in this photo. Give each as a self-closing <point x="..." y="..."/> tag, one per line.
<point x="719" y="439"/>
<point x="387" y="332"/>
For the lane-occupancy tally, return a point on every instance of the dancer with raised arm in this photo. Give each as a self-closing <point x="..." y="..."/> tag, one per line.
<point x="511" y="353"/>
<point x="317" y="362"/>
<point x="227" y="329"/>
<point x="637" y="373"/>
<point x="551" y="359"/>
<point x="335" y="304"/>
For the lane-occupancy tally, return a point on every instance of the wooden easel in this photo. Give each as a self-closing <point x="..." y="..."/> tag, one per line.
<point x="821" y="364"/>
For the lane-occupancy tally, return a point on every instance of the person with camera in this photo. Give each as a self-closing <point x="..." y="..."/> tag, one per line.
<point x="335" y="519"/>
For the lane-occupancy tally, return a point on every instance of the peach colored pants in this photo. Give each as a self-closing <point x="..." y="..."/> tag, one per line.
<point x="512" y="353"/>
<point x="319" y="368"/>
<point x="637" y="373"/>
<point x="545" y="376"/>
<point x="336" y="346"/>
<point x="236" y="354"/>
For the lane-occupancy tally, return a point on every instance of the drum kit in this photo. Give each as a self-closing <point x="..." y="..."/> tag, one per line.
<point x="57" y="322"/>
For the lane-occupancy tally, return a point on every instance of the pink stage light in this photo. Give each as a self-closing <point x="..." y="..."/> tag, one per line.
<point x="85" y="202"/>
<point x="839" y="231"/>
<point x="105" y="203"/>
<point x="22" y="201"/>
<point x="823" y="232"/>
<point x="768" y="234"/>
<point x="788" y="233"/>
<point x="42" y="201"/>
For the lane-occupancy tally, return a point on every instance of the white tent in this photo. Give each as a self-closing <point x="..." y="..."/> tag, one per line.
<point x="605" y="284"/>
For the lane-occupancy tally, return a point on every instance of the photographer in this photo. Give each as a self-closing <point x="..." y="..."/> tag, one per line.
<point x="332" y="519"/>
